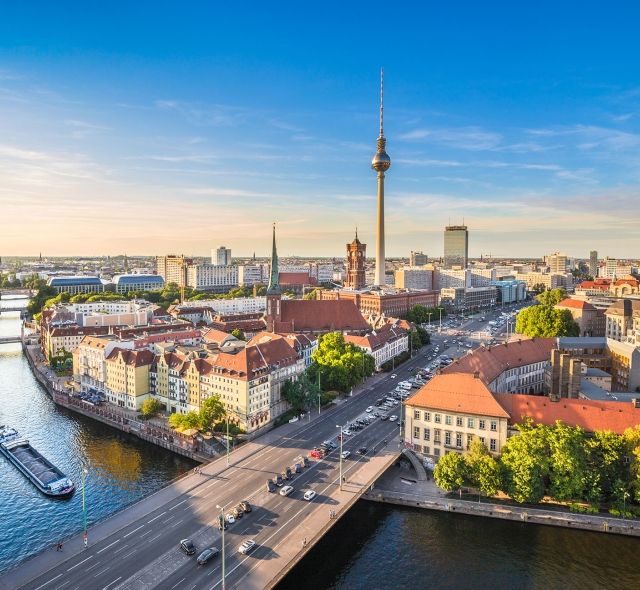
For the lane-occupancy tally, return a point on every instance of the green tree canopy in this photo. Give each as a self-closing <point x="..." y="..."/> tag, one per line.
<point x="567" y="461"/>
<point x="302" y="393"/>
<point x="450" y="472"/>
<point x="542" y="321"/>
<point x="552" y="297"/>
<point x="212" y="410"/>
<point x="150" y="407"/>
<point x="238" y="333"/>
<point x="419" y="314"/>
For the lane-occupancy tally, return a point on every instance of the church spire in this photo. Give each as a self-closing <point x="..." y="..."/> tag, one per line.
<point x="274" y="280"/>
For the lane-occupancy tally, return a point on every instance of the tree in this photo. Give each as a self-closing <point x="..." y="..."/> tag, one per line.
<point x="631" y="438"/>
<point x="150" y="407"/>
<point x="419" y="314"/>
<point x="212" y="410"/>
<point x="425" y="338"/>
<point x="489" y="475"/>
<point x="552" y="297"/>
<point x="542" y="321"/>
<point x="311" y="295"/>
<point x="604" y="465"/>
<point x="525" y="458"/>
<point x="238" y="333"/>
<point x="301" y="394"/>
<point x="567" y="461"/>
<point x="450" y="472"/>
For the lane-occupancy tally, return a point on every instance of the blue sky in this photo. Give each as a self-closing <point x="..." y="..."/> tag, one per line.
<point x="177" y="127"/>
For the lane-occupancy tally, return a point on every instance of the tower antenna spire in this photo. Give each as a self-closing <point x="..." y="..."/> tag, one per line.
<point x="381" y="102"/>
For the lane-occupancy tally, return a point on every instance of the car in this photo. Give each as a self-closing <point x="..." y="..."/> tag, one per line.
<point x="362" y="451"/>
<point x="393" y="418"/>
<point x="271" y="487"/>
<point x="289" y="473"/>
<point x="230" y="518"/>
<point x="187" y="546"/>
<point x="384" y="417"/>
<point x="393" y="376"/>
<point x="222" y="523"/>
<point x="376" y="414"/>
<point x="247" y="546"/>
<point x="285" y="476"/>
<point x="207" y="555"/>
<point x="369" y="409"/>
<point x="345" y="454"/>
<point x="309" y="495"/>
<point x="237" y="512"/>
<point x="286" y="490"/>
<point x="347" y="432"/>
<point x="297" y="468"/>
<point x="279" y="481"/>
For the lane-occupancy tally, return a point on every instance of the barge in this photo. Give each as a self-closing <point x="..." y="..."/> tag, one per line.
<point x="36" y="468"/>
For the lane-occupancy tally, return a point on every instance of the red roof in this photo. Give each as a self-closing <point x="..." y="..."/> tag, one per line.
<point x="134" y="358"/>
<point x="589" y="415"/>
<point x="296" y="278"/>
<point x="458" y="392"/>
<point x="299" y="315"/>
<point x="576" y="304"/>
<point x="492" y="361"/>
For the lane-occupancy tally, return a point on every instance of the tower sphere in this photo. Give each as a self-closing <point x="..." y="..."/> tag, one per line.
<point x="381" y="161"/>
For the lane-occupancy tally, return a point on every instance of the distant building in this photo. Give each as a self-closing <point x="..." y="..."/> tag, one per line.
<point x="383" y="344"/>
<point x="215" y="278"/>
<point x="456" y="246"/>
<point x="356" y="256"/>
<point x="623" y="321"/>
<point x="126" y="283"/>
<point x="609" y="269"/>
<point x="468" y="300"/>
<point x="76" y="284"/>
<point x="418" y="277"/>
<point x="593" y="263"/>
<point x="222" y="256"/>
<point x="557" y="263"/>
<point x="590" y="319"/>
<point x="418" y="259"/>
<point x="251" y="274"/>
<point x="510" y="290"/>
<point x="391" y="304"/>
<point x="173" y="269"/>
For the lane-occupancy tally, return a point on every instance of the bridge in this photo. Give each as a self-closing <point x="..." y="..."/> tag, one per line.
<point x="138" y="547"/>
<point x="10" y="339"/>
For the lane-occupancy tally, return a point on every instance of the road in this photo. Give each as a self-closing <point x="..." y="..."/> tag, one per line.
<point x="145" y="553"/>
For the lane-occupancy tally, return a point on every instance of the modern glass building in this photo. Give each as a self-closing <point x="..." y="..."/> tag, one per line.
<point x="456" y="246"/>
<point x="126" y="283"/>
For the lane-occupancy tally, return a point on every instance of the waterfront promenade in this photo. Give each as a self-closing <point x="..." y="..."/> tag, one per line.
<point x="402" y="487"/>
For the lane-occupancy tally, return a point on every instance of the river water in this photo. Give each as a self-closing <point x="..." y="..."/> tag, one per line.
<point x="122" y="468"/>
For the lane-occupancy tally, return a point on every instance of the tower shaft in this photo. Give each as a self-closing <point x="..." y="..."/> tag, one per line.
<point x="380" y="256"/>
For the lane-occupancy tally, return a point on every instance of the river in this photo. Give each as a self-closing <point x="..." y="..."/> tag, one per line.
<point x="122" y="468"/>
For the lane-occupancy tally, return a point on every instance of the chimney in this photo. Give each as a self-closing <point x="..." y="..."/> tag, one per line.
<point x="476" y="375"/>
<point x="636" y="402"/>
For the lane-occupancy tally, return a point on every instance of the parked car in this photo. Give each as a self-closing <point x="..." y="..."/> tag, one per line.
<point x="222" y="523"/>
<point x="286" y="490"/>
<point x="207" y="555"/>
<point x="230" y="518"/>
<point x="187" y="546"/>
<point x="271" y="487"/>
<point x="362" y="451"/>
<point x="393" y="376"/>
<point x="369" y="409"/>
<point x="393" y="418"/>
<point x="309" y="495"/>
<point x="247" y="546"/>
<point x="279" y="481"/>
<point x="346" y="454"/>
<point x="245" y="506"/>
<point x="297" y="468"/>
<point x="237" y="512"/>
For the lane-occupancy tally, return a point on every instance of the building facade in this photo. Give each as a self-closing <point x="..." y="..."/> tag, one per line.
<point x="222" y="256"/>
<point x="76" y="284"/>
<point x="173" y="269"/>
<point x="418" y="259"/>
<point x="415" y="278"/>
<point x="356" y="256"/>
<point x="215" y="278"/>
<point x="126" y="283"/>
<point x="456" y="246"/>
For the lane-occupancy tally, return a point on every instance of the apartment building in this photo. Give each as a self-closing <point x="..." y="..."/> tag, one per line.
<point x="623" y="321"/>
<point x="589" y="318"/>
<point x="217" y="278"/>
<point x="382" y="344"/>
<point x="127" y="377"/>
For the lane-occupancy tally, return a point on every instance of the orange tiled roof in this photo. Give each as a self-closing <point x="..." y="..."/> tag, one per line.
<point x="576" y="304"/>
<point x="492" y="361"/>
<point x="458" y="392"/>
<point x="590" y="415"/>
<point x="298" y="315"/>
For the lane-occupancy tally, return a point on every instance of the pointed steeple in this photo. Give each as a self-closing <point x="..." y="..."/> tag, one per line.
<point x="274" y="280"/>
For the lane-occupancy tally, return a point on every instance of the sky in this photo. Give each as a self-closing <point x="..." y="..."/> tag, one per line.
<point x="166" y="127"/>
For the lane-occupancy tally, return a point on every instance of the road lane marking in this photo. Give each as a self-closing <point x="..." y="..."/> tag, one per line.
<point x="49" y="581"/>
<point x="147" y="533"/>
<point x="156" y="517"/>
<point x="177" y="523"/>
<point x="107" y="547"/>
<point x="94" y="565"/>
<point x="98" y="574"/>
<point x="128" y="554"/>
<point x="169" y="519"/>
<point x="79" y="563"/>
<point x="121" y="549"/>
<point x="156" y="537"/>
<point x="133" y="531"/>
<point x="176" y="585"/>
<point x="112" y="583"/>
<point x="63" y="585"/>
<point x="178" y="504"/>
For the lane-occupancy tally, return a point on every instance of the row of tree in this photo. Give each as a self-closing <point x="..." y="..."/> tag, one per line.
<point x="560" y="461"/>
<point x="211" y="413"/>
<point x="419" y="314"/>
<point x="544" y="320"/>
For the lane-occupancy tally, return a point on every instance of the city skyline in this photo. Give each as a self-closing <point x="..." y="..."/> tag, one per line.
<point x="166" y="134"/>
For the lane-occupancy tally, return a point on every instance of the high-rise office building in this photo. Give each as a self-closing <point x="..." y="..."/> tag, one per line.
<point x="356" y="255"/>
<point x="418" y="259"/>
<point x="222" y="256"/>
<point x="593" y="263"/>
<point x="557" y="262"/>
<point x="173" y="269"/>
<point x="456" y="246"/>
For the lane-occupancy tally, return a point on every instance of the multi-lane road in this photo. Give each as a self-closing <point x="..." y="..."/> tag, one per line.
<point x="145" y="552"/>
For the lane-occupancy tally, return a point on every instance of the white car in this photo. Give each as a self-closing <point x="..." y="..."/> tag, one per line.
<point x="391" y="419"/>
<point x="393" y="376"/>
<point x="369" y="409"/>
<point x="347" y="432"/>
<point x="230" y="518"/>
<point x="286" y="490"/>
<point x="345" y="454"/>
<point x="309" y="495"/>
<point x="246" y="546"/>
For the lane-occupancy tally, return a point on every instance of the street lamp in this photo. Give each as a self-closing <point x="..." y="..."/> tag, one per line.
<point x="227" y="439"/>
<point x="222" y="523"/>
<point x="440" y="329"/>
<point x="85" y="537"/>
<point x="341" y="437"/>
<point x="319" y="390"/>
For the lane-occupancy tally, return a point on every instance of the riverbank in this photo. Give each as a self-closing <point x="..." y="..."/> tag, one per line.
<point x="401" y="487"/>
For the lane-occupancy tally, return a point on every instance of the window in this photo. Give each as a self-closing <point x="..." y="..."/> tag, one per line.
<point x="447" y="438"/>
<point x="481" y="424"/>
<point x="427" y="434"/>
<point x="427" y="416"/>
<point x="416" y="414"/>
<point x="436" y="437"/>
<point x="492" y="445"/>
<point x="459" y="440"/>
<point x="425" y="450"/>
<point x="482" y="440"/>
<point x="458" y="420"/>
<point x="447" y="420"/>
<point x="470" y="423"/>
<point x="437" y="418"/>
<point x="494" y="425"/>
<point x="416" y="432"/>
<point x="436" y="452"/>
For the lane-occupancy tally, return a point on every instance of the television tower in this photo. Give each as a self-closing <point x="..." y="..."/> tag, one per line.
<point x="380" y="163"/>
